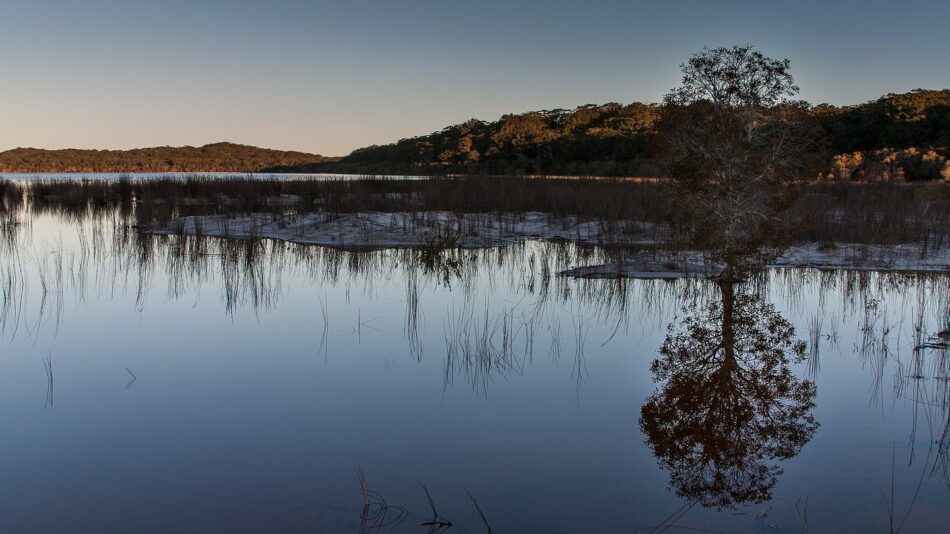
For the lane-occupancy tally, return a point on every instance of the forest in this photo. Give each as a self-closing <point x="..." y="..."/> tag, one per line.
<point x="898" y="137"/>
<point x="217" y="157"/>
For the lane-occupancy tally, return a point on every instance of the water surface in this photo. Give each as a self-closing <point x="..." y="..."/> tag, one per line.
<point x="195" y="384"/>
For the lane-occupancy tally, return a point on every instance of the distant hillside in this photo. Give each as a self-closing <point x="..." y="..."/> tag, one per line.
<point x="896" y="136"/>
<point x="217" y="157"/>
<point x="609" y="139"/>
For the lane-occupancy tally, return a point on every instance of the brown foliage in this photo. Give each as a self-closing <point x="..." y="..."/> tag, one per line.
<point x="217" y="157"/>
<point x="734" y="147"/>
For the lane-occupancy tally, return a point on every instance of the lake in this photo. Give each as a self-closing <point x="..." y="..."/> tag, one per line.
<point x="176" y="383"/>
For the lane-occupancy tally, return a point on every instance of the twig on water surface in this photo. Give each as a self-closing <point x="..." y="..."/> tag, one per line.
<point x="324" y="341"/>
<point x="479" y="510"/>
<point x="670" y="521"/>
<point x="48" y="365"/>
<point x="377" y="514"/>
<point x="131" y="374"/>
<point x="437" y="523"/>
<point x="889" y="503"/>
<point x="801" y="506"/>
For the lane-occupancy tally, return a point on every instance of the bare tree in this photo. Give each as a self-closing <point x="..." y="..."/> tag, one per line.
<point x="734" y="143"/>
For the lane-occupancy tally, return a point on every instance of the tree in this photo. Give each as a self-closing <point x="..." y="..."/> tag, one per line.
<point x="734" y="144"/>
<point x="730" y="407"/>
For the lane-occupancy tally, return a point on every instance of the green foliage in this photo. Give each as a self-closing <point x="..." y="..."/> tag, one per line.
<point x="217" y="157"/>
<point x="619" y="140"/>
<point x="591" y="140"/>
<point x="611" y="139"/>
<point x="920" y="118"/>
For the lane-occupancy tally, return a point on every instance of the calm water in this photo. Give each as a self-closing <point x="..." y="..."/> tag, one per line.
<point x="195" y="384"/>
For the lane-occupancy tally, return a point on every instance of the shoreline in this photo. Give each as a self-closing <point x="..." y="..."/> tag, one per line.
<point x="438" y="230"/>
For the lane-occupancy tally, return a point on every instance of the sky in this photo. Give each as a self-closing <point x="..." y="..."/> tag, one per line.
<point x="328" y="77"/>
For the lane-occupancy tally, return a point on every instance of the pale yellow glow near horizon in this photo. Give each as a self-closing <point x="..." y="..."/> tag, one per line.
<point x="137" y="113"/>
<point x="117" y="121"/>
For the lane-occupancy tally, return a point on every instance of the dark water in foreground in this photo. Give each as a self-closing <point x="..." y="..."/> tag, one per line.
<point x="181" y="384"/>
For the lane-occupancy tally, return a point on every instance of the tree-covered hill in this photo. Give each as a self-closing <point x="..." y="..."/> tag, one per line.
<point x="920" y="118"/>
<point x="898" y="136"/>
<point x="895" y="136"/>
<point x="609" y="139"/>
<point x="217" y="157"/>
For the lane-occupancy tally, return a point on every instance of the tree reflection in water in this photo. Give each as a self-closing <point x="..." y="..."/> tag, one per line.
<point x="729" y="408"/>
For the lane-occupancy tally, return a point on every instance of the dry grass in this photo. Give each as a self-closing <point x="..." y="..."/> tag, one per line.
<point x="882" y="213"/>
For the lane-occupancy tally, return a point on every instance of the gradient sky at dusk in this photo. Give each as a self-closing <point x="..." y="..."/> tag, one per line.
<point x="328" y="77"/>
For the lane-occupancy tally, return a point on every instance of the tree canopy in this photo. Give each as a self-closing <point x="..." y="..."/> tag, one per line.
<point x="733" y="142"/>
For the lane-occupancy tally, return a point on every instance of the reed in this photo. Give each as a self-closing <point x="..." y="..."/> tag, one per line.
<point x="840" y="212"/>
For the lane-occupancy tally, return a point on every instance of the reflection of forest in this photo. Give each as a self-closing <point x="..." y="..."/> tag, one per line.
<point x="729" y="407"/>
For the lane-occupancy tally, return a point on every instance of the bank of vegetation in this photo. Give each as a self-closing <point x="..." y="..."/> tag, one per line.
<point x="883" y="213"/>
<point x="217" y="157"/>
<point x="896" y="137"/>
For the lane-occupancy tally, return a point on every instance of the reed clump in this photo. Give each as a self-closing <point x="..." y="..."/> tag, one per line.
<point x="884" y="213"/>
